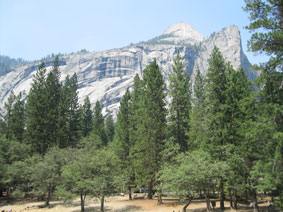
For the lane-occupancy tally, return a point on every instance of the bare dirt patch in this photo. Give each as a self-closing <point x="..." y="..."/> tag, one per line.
<point x="119" y="204"/>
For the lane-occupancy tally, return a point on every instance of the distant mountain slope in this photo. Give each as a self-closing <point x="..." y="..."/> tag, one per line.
<point x="106" y="75"/>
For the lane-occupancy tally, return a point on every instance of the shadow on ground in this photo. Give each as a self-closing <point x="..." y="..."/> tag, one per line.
<point x="127" y="208"/>
<point x="240" y="208"/>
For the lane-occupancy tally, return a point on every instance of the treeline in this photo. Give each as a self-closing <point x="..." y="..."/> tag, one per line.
<point x="218" y="137"/>
<point x="7" y="64"/>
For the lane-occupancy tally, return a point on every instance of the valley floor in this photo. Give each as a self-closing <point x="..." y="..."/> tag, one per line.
<point x="120" y="204"/>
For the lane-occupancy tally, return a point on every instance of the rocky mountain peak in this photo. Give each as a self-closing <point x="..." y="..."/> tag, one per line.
<point x="183" y="32"/>
<point x="106" y="75"/>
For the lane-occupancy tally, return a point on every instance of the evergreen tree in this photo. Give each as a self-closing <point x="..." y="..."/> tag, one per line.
<point x="151" y="130"/>
<point x="86" y="118"/>
<point x="69" y="120"/>
<point x="135" y="119"/>
<point x="109" y="128"/>
<point x="135" y="109"/>
<point x="53" y="90"/>
<point x="267" y="26"/>
<point x="239" y="90"/>
<point x="15" y="117"/>
<point x="98" y="123"/>
<point x="36" y="113"/>
<point x="121" y="144"/>
<point x="216" y="114"/>
<point x="266" y="23"/>
<point x="197" y="116"/>
<point x="180" y="106"/>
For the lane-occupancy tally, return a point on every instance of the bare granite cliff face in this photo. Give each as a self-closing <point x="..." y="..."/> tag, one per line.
<point x="106" y="75"/>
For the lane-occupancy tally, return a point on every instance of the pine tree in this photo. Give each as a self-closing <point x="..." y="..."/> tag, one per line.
<point x="151" y="130"/>
<point x="53" y="88"/>
<point x="197" y="116"/>
<point x="135" y="109"/>
<point x="135" y="120"/>
<point x="36" y="113"/>
<point x="14" y="117"/>
<point x="238" y="94"/>
<point x="86" y="118"/>
<point x="74" y="112"/>
<point x="69" y="120"/>
<point x="216" y="116"/>
<point x="109" y="128"/>
<point x="98" y="124"/>
<point x="266" y="23"/>
<point x="180" y="105"/>
<point x="121" y="143"/>
<point x="267" y="26"/>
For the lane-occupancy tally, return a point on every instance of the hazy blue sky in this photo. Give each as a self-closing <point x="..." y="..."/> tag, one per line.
<point x="32" y="29"/>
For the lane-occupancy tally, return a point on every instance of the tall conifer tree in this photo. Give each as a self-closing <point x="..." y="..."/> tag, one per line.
<point x="122" y="144"/>
<point x="180" y="106"/>
<point x="86" y="118"/>
<point x="109" y="128"/>
<point x="69" y="116"/>
<point x="197" y="116"/>
<point x="98" y="123"/>
<point x="216" y="116"/>
<point x="36" y="113"/>
<point x="151" y="130"/>
<point x="53" y="90"/>
<point x="14" y="117"/>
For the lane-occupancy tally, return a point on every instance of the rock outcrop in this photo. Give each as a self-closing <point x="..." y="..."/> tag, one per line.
<point x="106" y="75"/>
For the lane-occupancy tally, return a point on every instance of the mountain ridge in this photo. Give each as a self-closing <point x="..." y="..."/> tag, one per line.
<point x="105" y="75"/>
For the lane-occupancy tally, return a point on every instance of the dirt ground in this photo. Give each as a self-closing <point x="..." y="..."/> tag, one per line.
<point x="118" y="204"/>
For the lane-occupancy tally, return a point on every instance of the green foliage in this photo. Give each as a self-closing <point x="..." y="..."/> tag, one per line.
<point x="52" y="94"/>
<point x="180" y="105"/>
<point x="14" y="117"/>
<point x="109" y="128"/>
<point x="92" y="173"/>
<point x="68" y="123"/>
<point x="151" y="127"/>
<point x="36" y="114"/>
<point x="266" y="23"/>
<point x="46" y="172"/>
<point x="197" y="116"/>
<point x="215" y="103"/>
<point x="86" y="118"/>
<point x="7" y="63"/>
<point x="12" y="163"/>
<point x="135" y="110"/>
<point x="122" y="145"/>
<point x="98" y="124"/>
<point x="191" y="173"/>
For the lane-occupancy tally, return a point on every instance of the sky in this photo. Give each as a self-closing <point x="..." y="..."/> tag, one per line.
<point x="32" y="29"/>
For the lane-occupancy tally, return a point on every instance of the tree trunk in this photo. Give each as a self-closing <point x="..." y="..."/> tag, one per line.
<point x="130" y="193"/>
<point x="207" y="202"/>
<point x="159" y="198"/>
<point x="235" y="200"/>
<point x="82" y="202"/>
<point x="48" y="198"/>
<point x="231" y="199"/>
<point x="255" y="205"/>
<point x="222" y="197"/>
<point x="102" y="204"/>
<point x="186" y="205"/>
<point x="149" y="194"/>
